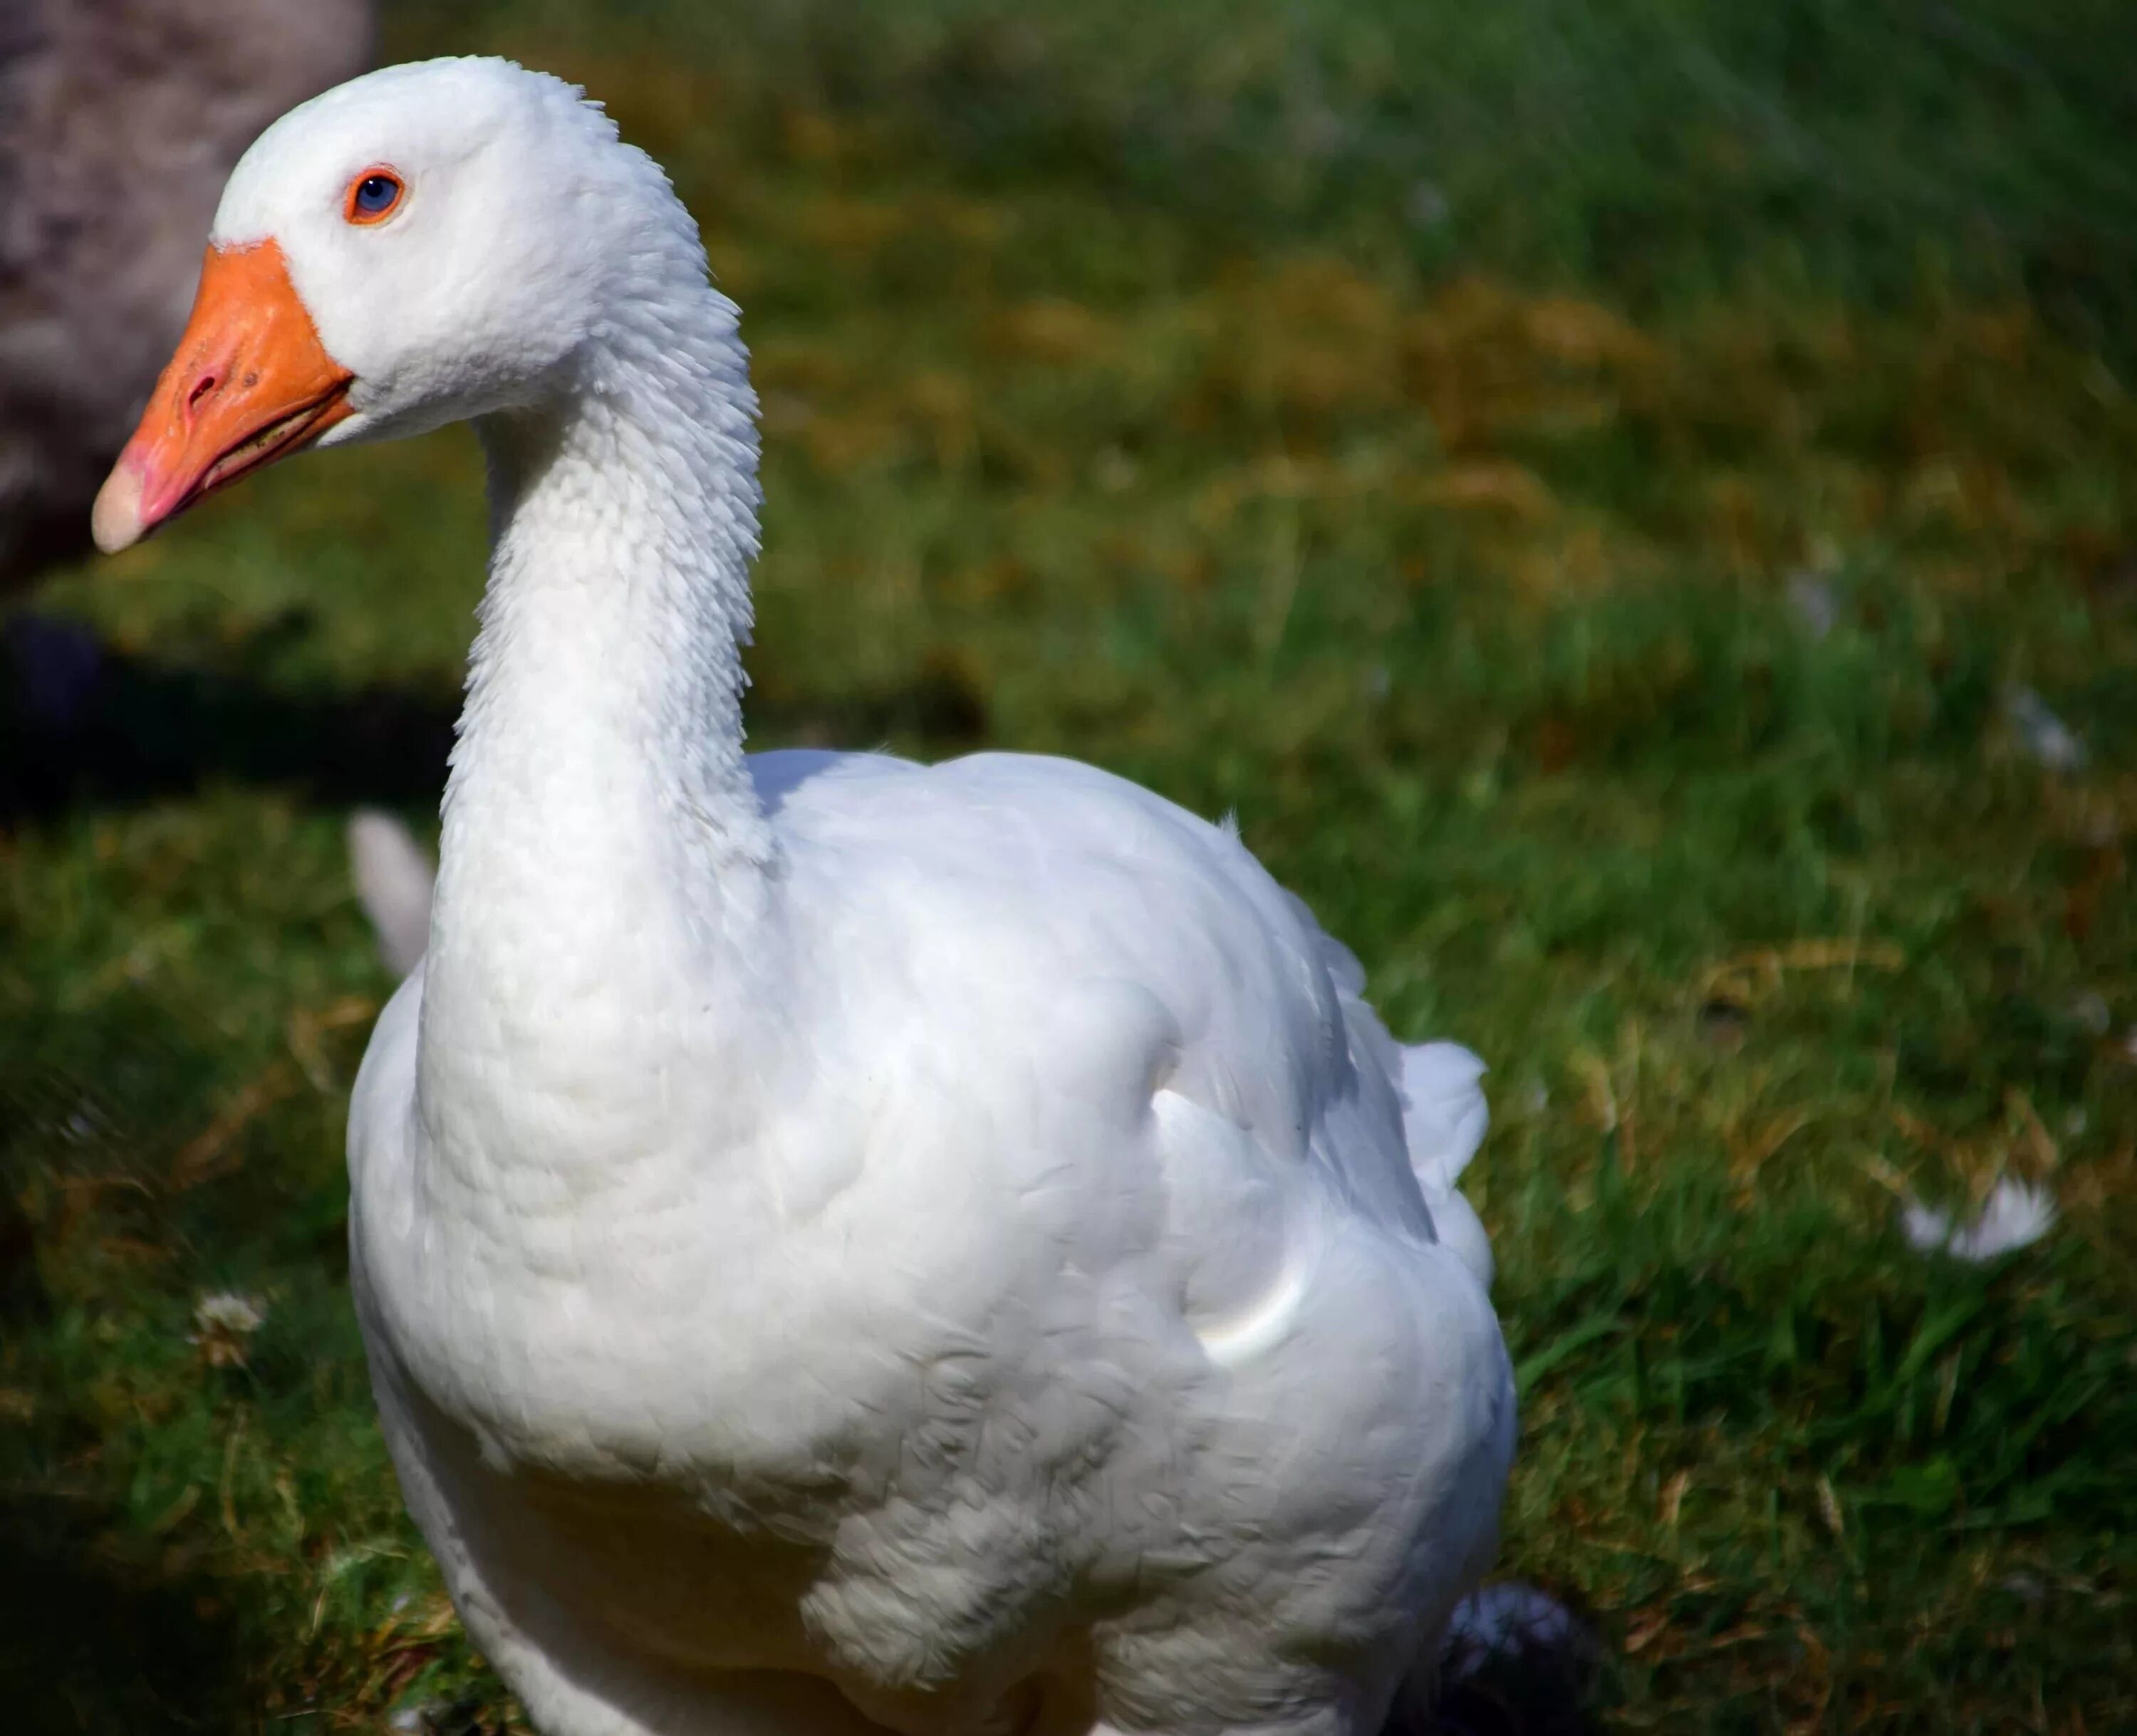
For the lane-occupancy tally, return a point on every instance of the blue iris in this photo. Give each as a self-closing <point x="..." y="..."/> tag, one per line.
<point x="375" y="195"/>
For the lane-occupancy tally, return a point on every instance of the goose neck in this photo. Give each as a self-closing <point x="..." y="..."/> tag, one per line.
<point x="600" y="817"/>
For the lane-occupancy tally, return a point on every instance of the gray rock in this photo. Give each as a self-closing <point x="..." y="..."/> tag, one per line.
<point x="119" y="120"/>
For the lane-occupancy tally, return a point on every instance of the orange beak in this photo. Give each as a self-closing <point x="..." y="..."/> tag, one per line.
<point x="250" y="383"/>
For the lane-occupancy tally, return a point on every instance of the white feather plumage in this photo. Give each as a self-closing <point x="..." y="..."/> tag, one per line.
<point x="846" y="1245"/>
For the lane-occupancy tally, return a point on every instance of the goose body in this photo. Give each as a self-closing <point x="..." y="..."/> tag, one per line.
<point x="842" y="1245"/>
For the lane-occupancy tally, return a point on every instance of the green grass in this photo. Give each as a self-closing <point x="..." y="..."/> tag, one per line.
<point x="1402" y="427"/>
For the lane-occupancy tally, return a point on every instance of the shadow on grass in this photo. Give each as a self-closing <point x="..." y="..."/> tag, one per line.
<point x="87" y="724"/>
<point x="108" y="1625"/>
<point x="1522" y="1694"/>
<point x="96" y="1633"/>
<point x="83" y="724"/>
<point x="92" y="1641"/>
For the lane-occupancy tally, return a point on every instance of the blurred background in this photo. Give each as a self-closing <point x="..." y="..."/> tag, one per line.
<point x="1635" y="506"/>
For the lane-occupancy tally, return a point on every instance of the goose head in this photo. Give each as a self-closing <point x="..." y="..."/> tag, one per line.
<point x="423" y="245"/>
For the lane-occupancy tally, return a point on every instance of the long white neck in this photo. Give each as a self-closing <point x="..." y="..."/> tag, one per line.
<point x="604" y="853"/>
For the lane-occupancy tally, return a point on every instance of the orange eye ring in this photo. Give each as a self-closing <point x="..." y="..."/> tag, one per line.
<point x="374" y="195"/>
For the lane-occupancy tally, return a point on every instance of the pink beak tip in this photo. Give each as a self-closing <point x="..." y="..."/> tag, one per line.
<point x="116" y="520"/>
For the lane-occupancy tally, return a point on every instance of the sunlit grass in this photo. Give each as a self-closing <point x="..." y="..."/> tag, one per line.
<point x="1482" y="587"/>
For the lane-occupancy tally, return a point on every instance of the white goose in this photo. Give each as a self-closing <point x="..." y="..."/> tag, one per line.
<point x="843" y="1245"/>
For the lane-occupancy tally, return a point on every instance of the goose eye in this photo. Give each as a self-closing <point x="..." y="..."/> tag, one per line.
<point x="373" y="195"/>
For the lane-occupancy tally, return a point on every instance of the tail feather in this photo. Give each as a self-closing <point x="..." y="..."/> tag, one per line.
<point x="1444" y="1116"/>
<point x="1444" y="1113"/>
<point x="393" y="879"/>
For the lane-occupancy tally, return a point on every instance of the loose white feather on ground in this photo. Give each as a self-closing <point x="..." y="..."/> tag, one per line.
<point x="2013" y="1216"/>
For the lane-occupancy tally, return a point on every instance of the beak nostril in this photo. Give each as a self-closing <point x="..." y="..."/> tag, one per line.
<point x="202" y="387"/>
